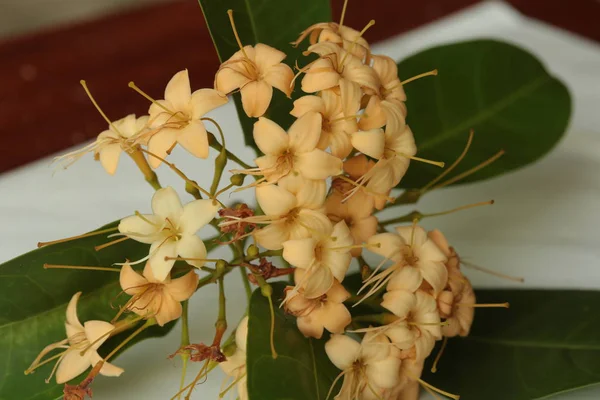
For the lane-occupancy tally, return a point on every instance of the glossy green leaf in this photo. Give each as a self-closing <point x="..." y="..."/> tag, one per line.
<point x="33" y="304"/>
<point x="301" y="371"/>
<point x="272" y="22"/>
<point x="501" y="91"/>
<point x="548" y="342"/>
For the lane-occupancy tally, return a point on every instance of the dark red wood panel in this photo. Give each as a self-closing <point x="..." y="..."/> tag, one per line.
<point x="44" y="110"/>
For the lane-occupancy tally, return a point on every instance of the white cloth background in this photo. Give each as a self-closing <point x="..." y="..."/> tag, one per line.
<point x="543" y="226"/>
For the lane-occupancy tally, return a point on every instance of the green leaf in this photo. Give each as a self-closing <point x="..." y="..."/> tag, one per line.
<point x="545" y="344"/>
<point x="272" y="22"/>
<point x="33" y="304"/>
<point x="501" y="91"/>
<point x="301" y="371"/>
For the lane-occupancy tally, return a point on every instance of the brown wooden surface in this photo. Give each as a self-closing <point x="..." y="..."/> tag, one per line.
<point x="44" y="110"/>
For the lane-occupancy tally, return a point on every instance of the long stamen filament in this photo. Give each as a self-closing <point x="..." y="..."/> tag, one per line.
<point x="439" y="355"/>
<point x="465" y="207"/>
<point x="343" y="13"/>
<point x="46" y="361"/>
<point x="89" y="94"/>
<point x="191" y="259"/>
<point x="471" y="171"/>
<point x="454" y="164"/>
<point x="424" y="74"/>
<point x="235" y="33"/>
<point x="52" y="266"/>
<point x="440" y="391"/>
<point x="100" y="232"/>
<point x="491" y="272"/>
<point x="105" y="245"/>
<point x="436" y="163"/>
<point x="133" y="86"/>
<point x="484" y="305"/>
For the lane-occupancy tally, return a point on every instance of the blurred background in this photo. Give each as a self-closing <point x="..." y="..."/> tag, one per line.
<point x="47" y="46"/>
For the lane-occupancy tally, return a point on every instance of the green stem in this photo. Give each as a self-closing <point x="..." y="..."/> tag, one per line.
<point x="185" y="341"/>
<point x="193" y="190"/>
<point x="221" y="324"/>
<point x="246" y="282"/>
<point x="410" y="217"/>
<point x="140" y="160"/>
<point x="217" y="146"/>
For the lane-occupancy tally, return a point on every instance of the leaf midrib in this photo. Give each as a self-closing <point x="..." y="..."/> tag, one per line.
<point x="487" y="112"/>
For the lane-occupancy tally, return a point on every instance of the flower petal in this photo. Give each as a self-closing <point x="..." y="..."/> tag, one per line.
<point x="310" y="193"/>
<point x="342" y="351"/>
<point x="72" y="318"/>
<point x="229" y="78"/>
<point x="194" y="139"/>
<point x="306" y="104"/>
<point x="160" y="144"/>
<point x="131" y="282"/>
<point x="317" y="281"/>
<point x="197" y="214"/>
<point x="299" y="252"/>
<point x="107" y="369"/>
<point x="191" y="246"/>
<point x="280" y="77"/>
<point x="160" y="266"/>
<point x="351" y="95"/>
<point x="387" y="245"/>
<point x="270" y="138"/>
<point x="435" y="273"/>
<point x="371" y="142"/>
<point x="97" y="332"/>
<point x="274" y="200"/>
<point x="399" y="302"/>
<point x="317" y="164"/>
<point x="407" y="278"/>
<point x="256" y="97"/>
<point x="109" y="157"/>
<point x="178" y="90"/>
<point x="166" y="204"/>
<point x="336" y="316"/>
<point x="384" y="374"/>
<point x="320" y="76"/>
<point x="183" y="288"/>
<point x="272" y="236"/>
<point x="145" y="229"/>
<point x="309" y="223"/>
<point x="206" y="100"/>
<point x="401" y="336"/>
<point x="305" y="132"/>
<point x="167" y="310"/>
<point x="310" y="325"/>
<point x="72" y="365"/>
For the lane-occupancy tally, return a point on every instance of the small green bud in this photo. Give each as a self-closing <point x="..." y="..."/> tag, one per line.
<point x="252" y="251"/>
<point x="237" y="179"/>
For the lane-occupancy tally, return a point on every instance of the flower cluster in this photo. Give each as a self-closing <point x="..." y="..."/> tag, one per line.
<point x="319" y="184"/>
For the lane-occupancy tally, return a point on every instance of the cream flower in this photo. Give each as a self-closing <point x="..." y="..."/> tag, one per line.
<point x="386" y="106"/>
<point x="411" y="247"/>
<point x="408" y="387"/>
<point x="154" y="298"/>
<point x="315" y="315"/>
<point x="255" y="71"/>
<point x="81" y="346"/>
<point x="420" y="325"/>
<point x="340" y="70"/>
<point x="177" y="118"/>
<point x="335" y="128"/>
<point x="287" y="217"/>
<point x="295" y="152"/>
<point x="368" y="367"/>
<point x="356" y="167"/>
<point x="356" y="212"/>
<point x="321" y="258"/>
<point x="235" y="365"/>
<point x="171" y="230"/>
<point x="113" y="141"/>
<point x="344" y="36"/>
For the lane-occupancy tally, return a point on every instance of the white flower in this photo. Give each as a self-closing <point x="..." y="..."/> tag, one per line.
<point x="171" y="230"/>
<point x="335" y="128"/>
<point x="287" y="217"/>
<point x="295" y="152"/>
<point x="321" y="258"/>
<point x="368" y="367"/>
<point x="235" y="365"/>
<point x="81" y="346"/>
<point x="177" y="118"/>
<point x="255" y="71"/>
<point x="316" y="315"/>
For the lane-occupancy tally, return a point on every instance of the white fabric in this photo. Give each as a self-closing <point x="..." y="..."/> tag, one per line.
<point x="543" y="226"/>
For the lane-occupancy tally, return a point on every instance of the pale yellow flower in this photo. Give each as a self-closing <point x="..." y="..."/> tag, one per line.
<point x="317" y="314"/>
<point x="113" y="141"/>
<point x="356" y="167"/>
<point x="322" y="259"/>
<point x="154" y="298"/>
<point x="294" y="152"/>
<point x="369" y="367"/>
<point x="344" y="36"/>
<point x="80" y="347"/>
<point x="171" y="230"/>
<point x="338" y="69"/>
<point x="410" y="247"/>
<point x="255" y="71"/>
<point x="235" y="365"/>
<point x="336" y="129"/>
<point x="386" y="106"/>
<point x="177" y="118"/>
<point x="287" y="217"/>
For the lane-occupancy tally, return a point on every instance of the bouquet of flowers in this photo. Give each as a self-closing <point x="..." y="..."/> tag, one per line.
<point x="370" y="296"/>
